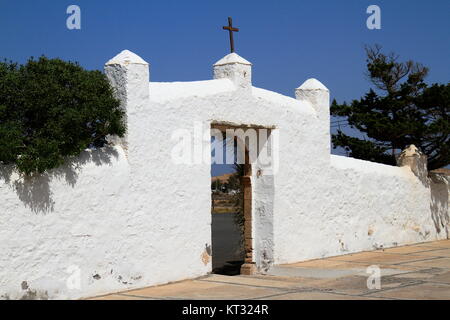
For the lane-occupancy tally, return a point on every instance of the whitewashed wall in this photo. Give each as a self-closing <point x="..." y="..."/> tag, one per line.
<point x="354" y="206"/>
<point x="128" y="216"/>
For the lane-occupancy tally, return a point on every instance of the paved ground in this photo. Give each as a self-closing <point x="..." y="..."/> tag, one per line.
<point x="419" y="271"/>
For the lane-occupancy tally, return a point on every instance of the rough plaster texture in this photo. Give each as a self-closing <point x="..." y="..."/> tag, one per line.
<point x="235" y="68"/>
<point x="127" y="216"/>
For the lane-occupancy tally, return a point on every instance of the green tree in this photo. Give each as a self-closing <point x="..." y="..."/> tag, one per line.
<point x="238" y="197"/>
<point x="216" y="185"/>
<point x="234" y="181"/>
<point x="402" y="110"/>
<point x="51" y="109"/>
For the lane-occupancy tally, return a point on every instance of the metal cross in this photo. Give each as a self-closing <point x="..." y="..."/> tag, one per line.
<point x="231" y="30"/>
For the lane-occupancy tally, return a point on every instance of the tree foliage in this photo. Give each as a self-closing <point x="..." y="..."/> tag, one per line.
<point x="402" y="110"/>
<point x="51" y="109"/>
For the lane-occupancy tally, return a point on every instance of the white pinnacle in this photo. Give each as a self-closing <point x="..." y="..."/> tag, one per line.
<point x="230" y="59"/>
<point x="312" y="84"/>
<point x="127" y="57"/>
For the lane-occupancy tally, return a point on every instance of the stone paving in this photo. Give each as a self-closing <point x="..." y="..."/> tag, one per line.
<point x="420" y="271"/>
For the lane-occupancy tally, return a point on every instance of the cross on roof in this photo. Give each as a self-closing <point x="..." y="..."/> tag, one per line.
<point x="231" y="30"/>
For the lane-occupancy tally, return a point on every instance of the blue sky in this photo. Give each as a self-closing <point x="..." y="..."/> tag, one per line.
<point x="287" y="41"/>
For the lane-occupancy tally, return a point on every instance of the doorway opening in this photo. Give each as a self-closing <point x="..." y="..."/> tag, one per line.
<point x="230" y="204"/>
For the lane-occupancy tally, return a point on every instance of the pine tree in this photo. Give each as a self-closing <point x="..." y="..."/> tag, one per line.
<point x="402" y="110"/>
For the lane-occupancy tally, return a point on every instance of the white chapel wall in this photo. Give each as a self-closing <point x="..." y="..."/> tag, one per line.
<point x="128" y="216"/>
